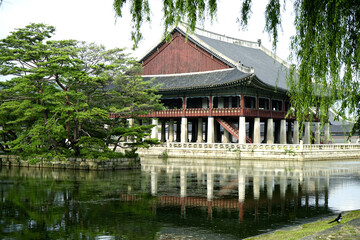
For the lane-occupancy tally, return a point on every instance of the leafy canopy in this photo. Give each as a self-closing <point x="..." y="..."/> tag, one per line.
<point x="325" y="48"/>
<point x="60" y="94"/>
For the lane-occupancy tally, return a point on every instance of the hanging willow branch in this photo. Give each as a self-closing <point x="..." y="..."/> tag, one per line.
<point x="325" y="49"/>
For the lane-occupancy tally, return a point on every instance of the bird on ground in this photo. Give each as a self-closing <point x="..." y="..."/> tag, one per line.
<point x="338" y="219"/>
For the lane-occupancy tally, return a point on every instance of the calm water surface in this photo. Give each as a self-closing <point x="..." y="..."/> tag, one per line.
<point x="193" y="199"/>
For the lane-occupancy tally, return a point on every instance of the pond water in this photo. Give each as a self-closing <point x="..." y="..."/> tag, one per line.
<point x="166" y="199"/>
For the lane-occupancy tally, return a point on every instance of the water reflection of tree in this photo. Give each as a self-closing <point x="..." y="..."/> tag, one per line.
<point x="48" y="208"/>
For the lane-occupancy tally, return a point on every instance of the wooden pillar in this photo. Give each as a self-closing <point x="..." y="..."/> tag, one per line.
<point x="210" y="102"/>
<point x="184" y="103"/>
<point x="242" y="101"/>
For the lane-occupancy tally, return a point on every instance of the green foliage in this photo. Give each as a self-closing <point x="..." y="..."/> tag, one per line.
<point x="245" y="13"/>
<point x="325" y="49"/>
<point x="60" y="94"/>
<point x="174" y="12"/>
<point x="310" y="229"/>
<point x="291" y="152"/>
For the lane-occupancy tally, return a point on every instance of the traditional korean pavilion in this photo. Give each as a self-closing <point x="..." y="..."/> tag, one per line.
<point x="220" y="89"/>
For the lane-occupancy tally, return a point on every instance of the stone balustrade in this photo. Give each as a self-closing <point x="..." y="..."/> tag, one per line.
<point x="221" y="151"/>
<point x="272" y="147"/>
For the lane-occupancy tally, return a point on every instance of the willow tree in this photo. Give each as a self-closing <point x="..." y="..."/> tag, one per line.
<point x="325" y="50"/>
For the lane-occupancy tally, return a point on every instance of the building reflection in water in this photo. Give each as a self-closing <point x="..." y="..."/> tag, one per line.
<point x="299" y="184"/>
<point x="230" y="199"/>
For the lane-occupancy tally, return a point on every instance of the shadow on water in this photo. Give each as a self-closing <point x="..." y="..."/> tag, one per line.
<point x="203" y="199"/>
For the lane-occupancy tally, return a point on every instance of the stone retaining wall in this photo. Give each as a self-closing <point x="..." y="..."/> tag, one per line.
<point x="74" y="163"/>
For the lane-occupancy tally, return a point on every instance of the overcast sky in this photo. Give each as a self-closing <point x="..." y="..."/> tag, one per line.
<point x="95" y="21"/>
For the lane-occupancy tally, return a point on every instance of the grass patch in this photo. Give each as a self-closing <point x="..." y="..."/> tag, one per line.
<point x="314" y="227"/>
<point x="346" y="232"/>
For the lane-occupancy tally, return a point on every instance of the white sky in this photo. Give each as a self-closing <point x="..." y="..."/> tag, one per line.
<point x="94" y="21"/>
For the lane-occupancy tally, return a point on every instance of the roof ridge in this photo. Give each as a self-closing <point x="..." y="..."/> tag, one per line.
<point x="189" y="73"/>
<point x="274" y="56"/>
<point x="224" y="38"/>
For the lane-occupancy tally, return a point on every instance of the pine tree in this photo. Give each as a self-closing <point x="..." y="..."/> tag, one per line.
<point x="58" y="100"/>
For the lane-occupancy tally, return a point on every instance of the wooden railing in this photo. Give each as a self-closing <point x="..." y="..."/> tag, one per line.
<point x="218" y="112"/>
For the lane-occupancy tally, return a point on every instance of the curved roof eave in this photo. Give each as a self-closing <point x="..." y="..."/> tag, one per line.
<point x="264" y="85"/>
<point x="239" y="81"/>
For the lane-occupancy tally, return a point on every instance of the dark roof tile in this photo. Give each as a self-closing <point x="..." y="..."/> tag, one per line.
<point x="198" y="80"/>
<point x="266" y="68"/>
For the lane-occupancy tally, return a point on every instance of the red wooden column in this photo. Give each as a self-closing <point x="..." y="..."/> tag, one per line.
<point x="242" y="101"/>
<point x="210" y="105"/>
<point x="242" y="104"/>
<point x="183" y="105"/>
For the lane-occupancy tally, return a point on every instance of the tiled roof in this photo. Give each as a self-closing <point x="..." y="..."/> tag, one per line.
<point x="247" y="58"/>
<point x="266" y="68"/>
<point x="188" y="81"/>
